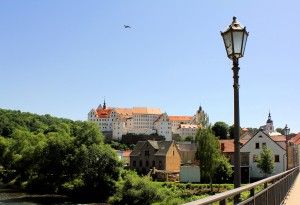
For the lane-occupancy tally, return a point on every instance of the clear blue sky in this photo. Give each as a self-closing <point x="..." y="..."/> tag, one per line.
<point x="62" y="57"/>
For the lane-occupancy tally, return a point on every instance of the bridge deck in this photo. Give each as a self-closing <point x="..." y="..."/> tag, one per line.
<point x="293" y="197"/>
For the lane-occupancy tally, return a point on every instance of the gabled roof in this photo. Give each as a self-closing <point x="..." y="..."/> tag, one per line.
<point x="296" y="139"/>
<point x="162" y="147"/>
<point x="267" y="135"/>
<point x="104" y="113"/>
<point x="278" y="138"/>
<point x="186" y="147"/>
<point x="227" y="146"/>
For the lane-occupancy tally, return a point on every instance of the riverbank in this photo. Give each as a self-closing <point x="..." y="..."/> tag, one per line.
<point x="11" y="196"/>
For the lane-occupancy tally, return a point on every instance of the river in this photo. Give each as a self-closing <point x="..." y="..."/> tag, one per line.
<point x="11" y="196"/>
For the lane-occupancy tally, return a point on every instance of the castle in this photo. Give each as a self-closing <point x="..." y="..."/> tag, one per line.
<point x="143" y="120"/>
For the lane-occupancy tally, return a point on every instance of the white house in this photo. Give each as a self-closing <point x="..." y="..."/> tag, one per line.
<point x="254" y="147"/>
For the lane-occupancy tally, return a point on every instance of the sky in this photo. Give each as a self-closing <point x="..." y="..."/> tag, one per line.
<point x="64" y="57"/>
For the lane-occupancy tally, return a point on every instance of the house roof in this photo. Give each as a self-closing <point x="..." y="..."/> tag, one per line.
<point x="180" y="118"/>
<point x="126" y="153"/>
<point x="228" y="145"/>
<point x="267" y="135"/>
<point x="186" y="147"/>
<point x="162" y="147"/>
<point x="278" y="138"/>
<point x="296" y="139"/>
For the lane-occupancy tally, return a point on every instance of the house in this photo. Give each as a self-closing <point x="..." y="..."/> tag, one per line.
<point x="187" y="151"/>
<point x="227" y="148"/>
<point x="294" y="151"/>
<point x="124" y="156"/>
<point x="254" y="147"/>
<point x="161" y="155"/>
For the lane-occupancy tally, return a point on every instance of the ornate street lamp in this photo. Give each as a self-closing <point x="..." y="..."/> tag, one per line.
<point x="286" y="132"/>
<point x="235" y="38"/>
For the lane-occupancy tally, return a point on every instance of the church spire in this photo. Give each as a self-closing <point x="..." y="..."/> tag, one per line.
<point x="104" y="105"/>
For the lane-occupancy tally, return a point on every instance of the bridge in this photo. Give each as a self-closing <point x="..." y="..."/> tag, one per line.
<point x="280" y="189"/>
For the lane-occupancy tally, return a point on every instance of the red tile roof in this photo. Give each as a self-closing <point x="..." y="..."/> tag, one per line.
<point x="104" y="113"/>
<point x="180" y="118"/>
<point x="228" y="145"/>
<point x="296" y="139"/>
<point x="278" y="138"/>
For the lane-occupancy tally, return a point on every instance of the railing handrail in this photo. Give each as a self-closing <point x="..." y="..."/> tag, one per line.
<point x="233" y="192"/>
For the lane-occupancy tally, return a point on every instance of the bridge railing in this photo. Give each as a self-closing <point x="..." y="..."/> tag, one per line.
<point x="273" y="192"/>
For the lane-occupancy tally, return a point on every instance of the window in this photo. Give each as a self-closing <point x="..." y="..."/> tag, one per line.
<point x="276" y="156"/>
<point x="134" y="163"/>
<point x="146" y="153"/>
<point x="159" y="164"/>
<point x="264" y="144"/>
<point x="257" y="145"/>
<point x="141" y="163"/>
<point x="147" y="163"/>
<point x="255" y="158"/>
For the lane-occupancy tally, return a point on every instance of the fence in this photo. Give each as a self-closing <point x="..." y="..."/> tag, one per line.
<point x="273" y="192"/>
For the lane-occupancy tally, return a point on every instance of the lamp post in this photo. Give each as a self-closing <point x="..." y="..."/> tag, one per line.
<point x="286" y="132"/>
<point x="235" y="38"/>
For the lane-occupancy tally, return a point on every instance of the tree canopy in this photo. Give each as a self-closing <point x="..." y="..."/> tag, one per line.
<point x="220" y="129"/>
<point x="54" y="155"/>
<point x="266" y="161"/>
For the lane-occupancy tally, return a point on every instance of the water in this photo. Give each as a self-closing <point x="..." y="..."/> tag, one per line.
<point x="10" y="196"/>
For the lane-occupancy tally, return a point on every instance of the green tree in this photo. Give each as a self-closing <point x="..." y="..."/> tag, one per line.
<point x="220" y="129"/>
<point x="137" y="190"/>
<point x="208" y="153"/>
<point x="280" y="130"/>
<point x="266" y="161"/>
<point x="223" y="171"/>
<point x="189" y="138"/>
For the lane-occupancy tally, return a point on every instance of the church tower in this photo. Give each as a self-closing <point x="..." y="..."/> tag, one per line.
<point x="269" y="124"/>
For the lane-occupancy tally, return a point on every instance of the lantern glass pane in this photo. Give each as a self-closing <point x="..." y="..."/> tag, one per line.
<point x="237" y="42"/>
<point x="245" y="41"/>
<point x="228" y="43"/>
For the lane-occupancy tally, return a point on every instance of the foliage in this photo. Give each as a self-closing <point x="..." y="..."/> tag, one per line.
<point x="54" y="155"/>
<point x="266" y="161"/>
<point x="137" y="190"/>
<point x="220" y="129"/>
<point x="280" y="130"/>
<point x="189" y="138"/>
<point x="208" y="152"/>
<point x="223" y="171"/>
<point x="115" y="144"/>
<point x="204" y="121"/>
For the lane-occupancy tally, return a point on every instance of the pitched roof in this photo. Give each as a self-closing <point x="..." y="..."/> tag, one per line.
<point x="228" y="145"/>
<point x="103" y="113"/>
<point x="296" y="139"/>
<point x="278" y="138"/>
<point x="146" y="110"/>
<point x="126" y="153"/>
<point x="186" y="147"/>
<point x="162" y="147"/>
<point x="180" y="118"/>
